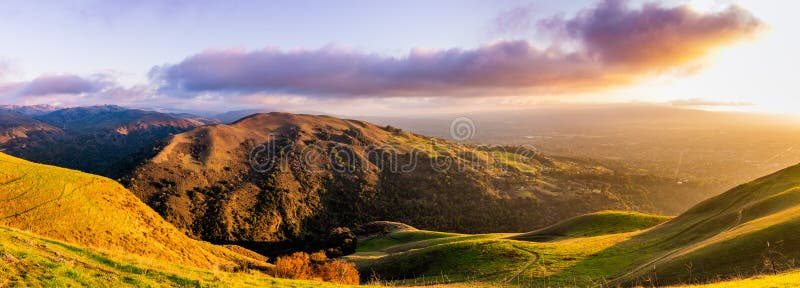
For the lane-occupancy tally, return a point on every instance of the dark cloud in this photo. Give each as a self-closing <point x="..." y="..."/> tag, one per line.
<point x="699" y="102"/>
<point x="60" y="84"/>
<point x="617" y="45"/>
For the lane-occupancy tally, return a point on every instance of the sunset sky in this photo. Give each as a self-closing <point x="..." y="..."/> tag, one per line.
<point x="400" y="57"/>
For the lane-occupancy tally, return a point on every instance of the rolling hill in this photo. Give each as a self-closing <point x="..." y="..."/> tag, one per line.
<point x="105" y="140"/>
<point x="93" y="211"/>
<point x="757" y="220"/>
<point x="746" y="232"/>
<point x="64" y="228"/>
<point x="408" y="256"/>
<point x="323" y="172"/>
<point x="598" y="223"/>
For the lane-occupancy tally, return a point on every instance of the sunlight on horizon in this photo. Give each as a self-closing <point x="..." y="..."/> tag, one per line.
<point x="754" y="75"/>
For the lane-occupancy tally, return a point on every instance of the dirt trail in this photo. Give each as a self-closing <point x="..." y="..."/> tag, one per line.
<point x="527" y="266"/>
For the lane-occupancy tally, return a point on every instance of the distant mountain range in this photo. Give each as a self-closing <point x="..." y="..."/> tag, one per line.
<point x="30" y="110"/>
<point x="105" y="140"/>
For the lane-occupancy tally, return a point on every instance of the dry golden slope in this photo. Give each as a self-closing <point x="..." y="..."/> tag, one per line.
<point x="97" y="212"/>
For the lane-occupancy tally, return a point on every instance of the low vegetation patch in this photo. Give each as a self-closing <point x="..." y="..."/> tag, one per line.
<point x="316" y="266"/>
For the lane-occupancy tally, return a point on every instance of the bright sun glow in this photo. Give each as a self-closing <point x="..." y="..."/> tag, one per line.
<point x="756" y="74"/>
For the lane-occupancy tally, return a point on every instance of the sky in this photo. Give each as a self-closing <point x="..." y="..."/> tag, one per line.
<point x="399" y="57"/>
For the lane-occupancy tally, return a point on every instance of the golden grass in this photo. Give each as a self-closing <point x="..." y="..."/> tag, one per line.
<point x="96" y="212"/>
<point x="28" y="260"/>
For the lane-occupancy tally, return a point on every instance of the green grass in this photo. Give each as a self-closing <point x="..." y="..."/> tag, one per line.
<point x="30" y="260"/>
<point x="742" y="232"/>
<point x="749" y="230"/>
<point x="786" y="279"/>
<point x="482" y="259"/>
<point x="594" y="224"/>
<point x="381" y="242"/>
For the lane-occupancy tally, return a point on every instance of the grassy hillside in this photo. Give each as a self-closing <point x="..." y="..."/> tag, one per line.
<point x="757" y="220"/>
<point x="27" y="260"/>
<point x="486" y="259"/>
<point x="409" y="256"/>
<point x="749" y="230"/>
<point x="781" y="280"/>
<point x="75" y="207"/>
<point x="397" y="237"/>
<point x="593" y="224"/>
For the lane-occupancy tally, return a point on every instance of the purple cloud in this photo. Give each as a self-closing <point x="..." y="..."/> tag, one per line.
<point x="516" y="20"/>
<point x="60" y="84"/>
<point x="655" y="36"/>
<point x="617" y="45"/>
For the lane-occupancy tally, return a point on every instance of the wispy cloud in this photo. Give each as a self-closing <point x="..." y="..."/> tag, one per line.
<point x="515" y="20"/>
<point x="699" y="102"/>
<point x="5" y="68"/>
<point x="617" y="45"/>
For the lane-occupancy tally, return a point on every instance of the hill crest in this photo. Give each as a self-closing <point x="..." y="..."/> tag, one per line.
<point x="97" y="212"/>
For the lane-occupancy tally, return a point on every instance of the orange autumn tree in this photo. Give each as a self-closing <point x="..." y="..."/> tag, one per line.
<point x="317" y="266"/>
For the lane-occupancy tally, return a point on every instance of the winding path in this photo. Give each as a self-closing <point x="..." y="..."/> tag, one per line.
<point x="527" y="266"/>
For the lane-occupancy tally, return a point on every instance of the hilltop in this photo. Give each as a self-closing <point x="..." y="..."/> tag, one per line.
<point x="316" y="173"/>
<point x="75" y="207"/>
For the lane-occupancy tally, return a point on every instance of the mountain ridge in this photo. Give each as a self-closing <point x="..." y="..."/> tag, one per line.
<point x="325" y="172"/>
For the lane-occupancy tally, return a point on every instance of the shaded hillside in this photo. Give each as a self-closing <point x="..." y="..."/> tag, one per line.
<point x="105" y="140"/>
<point x="195" y="119"/>
<point x="325" y="172"/>
<point x="14" y="126"/>
<point x="232" y="116"/>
